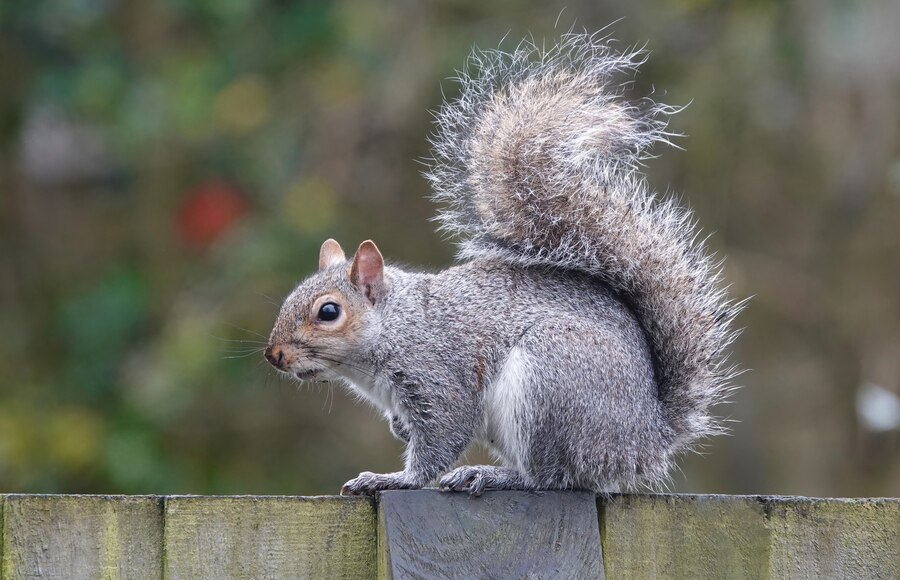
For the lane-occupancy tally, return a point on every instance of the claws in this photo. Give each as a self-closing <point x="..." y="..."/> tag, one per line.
<point x="466" y="478"/>
<point x="367" y="483"/>
<point x="364" y="484"/>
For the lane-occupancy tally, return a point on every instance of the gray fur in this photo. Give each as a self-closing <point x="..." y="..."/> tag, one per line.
<point x="537" y="162"/>
<point x="582" y="338"/>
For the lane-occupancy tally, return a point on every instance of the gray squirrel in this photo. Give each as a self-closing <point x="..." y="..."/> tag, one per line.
<point x="583" y="335"/>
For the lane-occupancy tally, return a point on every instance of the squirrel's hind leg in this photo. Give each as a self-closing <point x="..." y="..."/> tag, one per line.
<point x="475" y="479"/>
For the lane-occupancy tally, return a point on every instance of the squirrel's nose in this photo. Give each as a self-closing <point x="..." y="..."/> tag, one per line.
<point x="275" y="356"/>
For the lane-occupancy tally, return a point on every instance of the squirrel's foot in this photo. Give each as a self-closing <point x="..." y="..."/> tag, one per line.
<point x="477" y="478"/>
<point x="466" y="478"/>
<point x="368" y="483"/>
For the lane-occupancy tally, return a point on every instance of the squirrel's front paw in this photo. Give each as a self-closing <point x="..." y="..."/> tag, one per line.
<point x="368" y="483"/>
<point x="466" y="478"/>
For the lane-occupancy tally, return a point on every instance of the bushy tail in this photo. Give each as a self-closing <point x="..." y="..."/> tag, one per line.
<point x="536" y="162"/>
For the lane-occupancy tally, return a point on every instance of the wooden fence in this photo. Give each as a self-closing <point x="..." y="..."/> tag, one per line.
<point x="428" y="534"/>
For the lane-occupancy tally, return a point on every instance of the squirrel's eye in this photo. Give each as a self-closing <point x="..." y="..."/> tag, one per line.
<point x="329" y="312"/>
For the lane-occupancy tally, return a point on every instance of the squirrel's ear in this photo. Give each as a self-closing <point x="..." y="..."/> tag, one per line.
<point x="367" y="270"/>
<point x="330" y="254"/>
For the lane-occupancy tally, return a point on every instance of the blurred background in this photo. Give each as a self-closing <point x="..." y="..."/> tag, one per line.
<point x="168" y="170"/>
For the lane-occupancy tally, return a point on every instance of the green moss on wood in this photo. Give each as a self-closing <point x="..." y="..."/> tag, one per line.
<point x="670" y="536"/>
<point x="814" y="538"/>
<point x="680" y="536"/>
<point x="106" y="537"/>
<point x="649" y="536"/>
<point x="2" y="536"/>
<point x="272" y="537"/>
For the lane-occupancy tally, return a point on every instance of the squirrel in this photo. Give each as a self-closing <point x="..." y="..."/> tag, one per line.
<point x="583" y="335"/>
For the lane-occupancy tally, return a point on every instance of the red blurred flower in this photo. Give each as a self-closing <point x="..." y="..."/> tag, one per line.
<point x="208" y="211"/>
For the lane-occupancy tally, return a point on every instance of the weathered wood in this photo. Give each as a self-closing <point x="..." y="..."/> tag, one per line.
<point x="2" y="536"/>
<point x="269" y="537"/>
<point x="82" y="537"/>
<point x="429" y="534"/>
<point x="680" y="536"/>
<point x="814" y="538"/>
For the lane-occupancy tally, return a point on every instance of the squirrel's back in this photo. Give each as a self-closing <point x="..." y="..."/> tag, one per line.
<point x="536" y="163"/>
<point x="507" y="299"/>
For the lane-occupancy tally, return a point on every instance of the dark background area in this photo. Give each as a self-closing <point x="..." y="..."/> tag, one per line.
<point x="168" y="170"/>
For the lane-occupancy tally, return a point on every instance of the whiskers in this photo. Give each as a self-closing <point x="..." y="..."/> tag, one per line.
<point x="240" y="348"/>
<point x="331" y="363"/>
<point x="237" y="353"/>
<point x="248" y="331"/>
<point x="317" y="353"/>
<point x="337" y="360"/>
<point x="243" y="347"/>
<point x="319" y="385"/>
<point x="270" y="300"/>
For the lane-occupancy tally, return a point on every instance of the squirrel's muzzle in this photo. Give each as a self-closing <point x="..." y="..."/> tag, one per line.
<point x="275" y="356"/>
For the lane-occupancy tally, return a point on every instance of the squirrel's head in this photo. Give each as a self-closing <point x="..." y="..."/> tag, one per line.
<point x="322" y="322"/>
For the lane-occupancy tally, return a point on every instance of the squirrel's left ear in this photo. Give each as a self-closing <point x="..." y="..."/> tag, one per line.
<point x="367" y="270"/>
<point x="330" y="254"/>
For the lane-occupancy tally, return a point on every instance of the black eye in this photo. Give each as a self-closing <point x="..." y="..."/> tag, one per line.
<point x="329" y="312"/>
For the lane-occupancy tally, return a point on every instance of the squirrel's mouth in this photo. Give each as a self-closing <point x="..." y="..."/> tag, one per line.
<point x="303" y="375"/>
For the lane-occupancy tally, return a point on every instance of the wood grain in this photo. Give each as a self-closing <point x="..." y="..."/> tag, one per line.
<point x="679" y="536"/>
<point x="429" y="534"/>
<point x="2" y="536"/>
<point x="76" y="537"/>
<point x="269" y="537"/>
<point x="714" y="536"/>
<point x="835" y="538"/>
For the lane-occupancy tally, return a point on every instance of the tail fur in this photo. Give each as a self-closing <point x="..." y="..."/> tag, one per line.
<point x="537" y="162"/>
